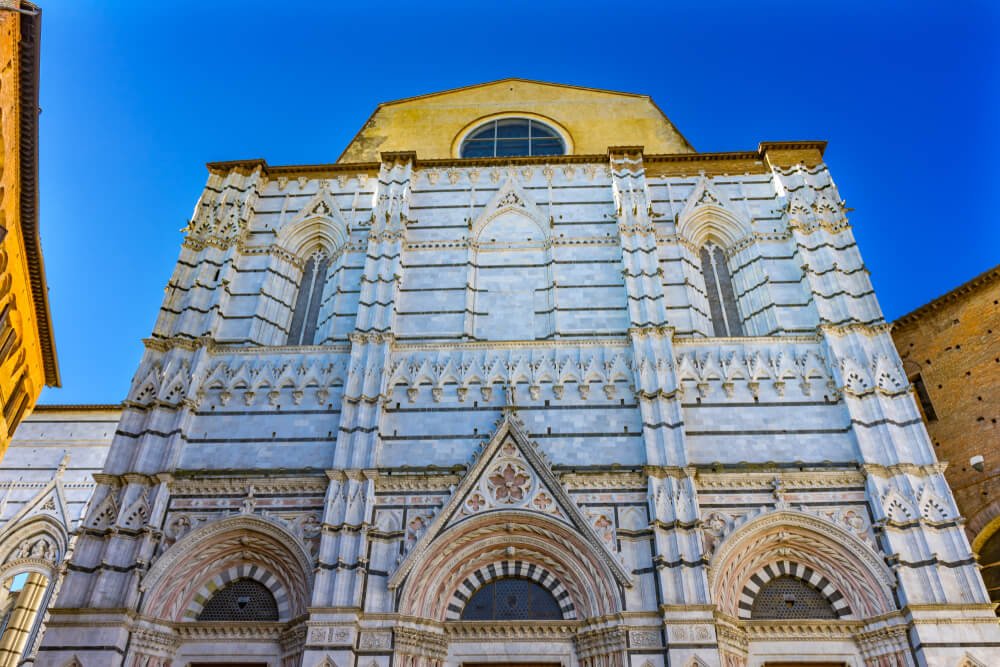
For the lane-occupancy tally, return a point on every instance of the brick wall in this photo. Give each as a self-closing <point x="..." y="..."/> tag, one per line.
<point x="954" y="344"/>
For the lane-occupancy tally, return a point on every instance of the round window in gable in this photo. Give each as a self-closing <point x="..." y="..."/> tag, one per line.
<point x="512" y="137"/>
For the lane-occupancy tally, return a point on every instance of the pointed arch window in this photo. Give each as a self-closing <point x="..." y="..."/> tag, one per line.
<point x="719" y="290"/>
<point x="307" y="303"/>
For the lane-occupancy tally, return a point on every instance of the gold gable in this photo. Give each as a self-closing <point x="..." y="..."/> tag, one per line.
<point x="593" y="119"/>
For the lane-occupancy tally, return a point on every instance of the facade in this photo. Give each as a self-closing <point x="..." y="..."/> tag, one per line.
<point x="27" y="347"/>
<point x="524" y="378"/>
<point x="46" y="481"/>
<point x="950" y="354"/>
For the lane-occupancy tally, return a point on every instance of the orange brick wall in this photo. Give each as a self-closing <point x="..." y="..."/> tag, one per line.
<point x="955" y="345"/>
<point x="21" y="366"/>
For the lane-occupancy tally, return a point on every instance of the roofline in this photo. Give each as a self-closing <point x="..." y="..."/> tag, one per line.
<point x="77" y="407"/>
<point x="505" y="80"/>
<point x="984" y="278"/>
<point x="354" y="167"/>
<point x="29" y="55"/>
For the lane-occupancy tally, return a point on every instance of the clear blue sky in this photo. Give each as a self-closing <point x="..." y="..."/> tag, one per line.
<point x="137" y="96"/>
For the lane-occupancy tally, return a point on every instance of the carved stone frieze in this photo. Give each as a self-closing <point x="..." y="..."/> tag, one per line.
<point x="457" y="369"/>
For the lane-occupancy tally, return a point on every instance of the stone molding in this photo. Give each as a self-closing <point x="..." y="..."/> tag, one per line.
<point x="860" y="573"/>
<point x="494" y="571"/>
<point x="511" y="630"/>
<point x="200" y="486"/>
<point x="295" y="573"/>
<point x="764" y="481"/>
<point x="411" y="641"/>
<point x="510" y="429"/>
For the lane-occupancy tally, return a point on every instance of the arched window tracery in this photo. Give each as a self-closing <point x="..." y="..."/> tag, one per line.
<point x="307" y="304"/>
<point x="241" y="600"/>
<point x="512" y="599"/>
<point x="790" y="598"/>
<point x="725" y="314"/>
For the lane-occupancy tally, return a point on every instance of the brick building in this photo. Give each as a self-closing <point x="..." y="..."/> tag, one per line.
<point x="27" y="346"/>
<point x="950" y="349"/>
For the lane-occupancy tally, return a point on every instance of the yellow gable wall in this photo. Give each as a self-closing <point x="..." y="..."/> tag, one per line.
<point x="594" y="119"/>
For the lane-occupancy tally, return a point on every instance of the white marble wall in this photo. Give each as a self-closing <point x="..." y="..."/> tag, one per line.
<point x="593" y="332"/>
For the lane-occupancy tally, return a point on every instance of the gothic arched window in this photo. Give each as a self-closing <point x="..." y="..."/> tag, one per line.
<point x="506" y="137"/>
<point x="790" y="598"/>
<point x="719" y="290"/>
<point x="306" y="313"/>
<point x="241" y="600"/>
<point x="512" y="599"/>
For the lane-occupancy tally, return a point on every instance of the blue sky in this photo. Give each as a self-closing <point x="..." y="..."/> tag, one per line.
<point x="136" y="97"/>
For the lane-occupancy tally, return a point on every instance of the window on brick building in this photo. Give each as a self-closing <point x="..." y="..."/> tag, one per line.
<point x="923" y="398"/>
<point x="719" y="290"/>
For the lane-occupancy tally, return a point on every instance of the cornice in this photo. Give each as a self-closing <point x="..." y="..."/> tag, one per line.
<point x="239" y="485"/>
<point x="225" y="348"/>
<point x="27" y="118"/>
<point x="764" y="481"/>
<point x="918" y="470"/>
<point x="231" y="630"/>
<point x="596" y="481"/>
<point x="823" y="630"/>
<point x="987" y="277"/>
<point x="709" y="162"/>
<point x="765" y="146"/>
<point x="744" y="340"/>
<point x="315" y="170"/>
<point x="512" y="345"/>
<point x="841" y="330"/>
<point x="515" y="630"/>
<point x="80" y="407"/>
<point x="417" y="482"/>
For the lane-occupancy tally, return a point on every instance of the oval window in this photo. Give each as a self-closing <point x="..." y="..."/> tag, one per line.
<point x="510" y="137"/>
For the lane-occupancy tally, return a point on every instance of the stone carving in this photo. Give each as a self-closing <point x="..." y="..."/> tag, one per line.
<point x="531" y="485"/>
<point x="750" y="364"/>
<point x="167" y="384"/>
<point x="509" y="484"/>
<point x="223" y="211"/>
<point x="714" y="527"/>
<point x="644" y="638"/>
<point x="291" y="373"/>
<point x="37" y="548"/>
<point x="508" y="367"/>
<point x="604" y="527"/>
<point x="375" y="640"/>
<point x="897" y="509"/>
<point x="105" y="513"/>
<point x="932" y="506"/>
<point x="509" y="481"/>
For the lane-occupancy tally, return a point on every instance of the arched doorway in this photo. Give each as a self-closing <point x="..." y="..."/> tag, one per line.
<point x="511" y="586"/>
<point x="29" y="559"/>
<point x="234" y="591"/>
<point x="791" y="588"/>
